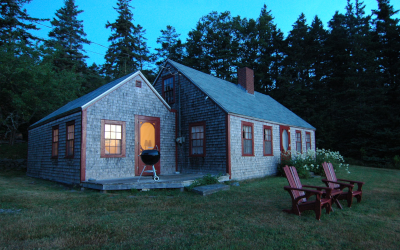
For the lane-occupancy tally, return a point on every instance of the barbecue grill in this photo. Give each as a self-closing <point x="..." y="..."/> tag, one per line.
<point x="149" y="158"/>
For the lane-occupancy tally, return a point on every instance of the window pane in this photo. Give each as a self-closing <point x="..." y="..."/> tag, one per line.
<point x="267" y="147"/>
<point x="248" y="149"/>
<point x="298" y="147"/>
<point x="107" y="128"/>
<point x="71" y="132"/>
<point x="107" y="135"/>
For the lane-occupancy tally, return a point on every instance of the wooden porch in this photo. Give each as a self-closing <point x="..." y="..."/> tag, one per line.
<point x="146" y="182"/>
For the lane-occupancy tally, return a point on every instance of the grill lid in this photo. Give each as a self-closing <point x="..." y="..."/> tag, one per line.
<point x="150" y="157"/>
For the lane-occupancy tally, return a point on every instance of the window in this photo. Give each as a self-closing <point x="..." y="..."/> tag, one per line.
<point x="268" y="141"/>
<point x="112" y="139"/>
<point x="69" y="149"/>
<point x="168" y="90"/>
<point x="138" y="84"/>
<point x="197" y="139"/>
<point x="298" y="141"/>
<point x="247" y="139"/>
<point x="54" y="146"/>
<point x="308" y="141"/>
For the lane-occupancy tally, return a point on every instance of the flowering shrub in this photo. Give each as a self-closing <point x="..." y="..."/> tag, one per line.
<point x="311" y="161"/>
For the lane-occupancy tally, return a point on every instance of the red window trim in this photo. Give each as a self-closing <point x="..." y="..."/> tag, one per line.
<point x="308" y="133"/>
<point x="66" y="140"/>
<point x="53" y="155"/>
<point x="102" y="142"/>
<point x="272" y="143"/>
<point x="138" y="83"/>
<point x="301" y="142"/>
<point x="194" y="124"/>
<point x="249" y="124"/>
<point x="173" y="89"/>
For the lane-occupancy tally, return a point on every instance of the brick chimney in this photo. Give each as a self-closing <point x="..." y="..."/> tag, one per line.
<point x="246" y="79"/>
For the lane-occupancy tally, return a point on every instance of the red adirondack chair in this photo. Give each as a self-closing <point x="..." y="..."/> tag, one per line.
<point x="332" y="182"/>
<point x="301" y="197"/>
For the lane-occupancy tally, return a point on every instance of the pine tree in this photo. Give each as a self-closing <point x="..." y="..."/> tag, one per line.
<point x="15" y="23"/>
<point x="387" y="130"/>
<point x="270" y="54"/>
<point x="19" y="59"/>
<point x="171" y="46"/>
<point x="128" y="51"/>
<point x="67" y="39"/>
<point x="213" y="47"/>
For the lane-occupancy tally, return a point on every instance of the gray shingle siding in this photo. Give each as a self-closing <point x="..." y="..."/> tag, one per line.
<point x="195" y="108"/>
<point x="40" y="163"/>
<point x="122" y="105"/>
<point x="227" y="98"/>
<point x="118" y="100"/>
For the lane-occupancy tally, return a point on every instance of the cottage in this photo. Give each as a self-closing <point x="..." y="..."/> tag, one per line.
<point x="101" y="134"/>
<point x="201" y="124"/>
<point x="229" y="128"/>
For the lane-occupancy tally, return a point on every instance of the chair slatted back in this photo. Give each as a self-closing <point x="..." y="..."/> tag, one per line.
<point x="330" y="174"/>
<point x="294" y="181"/>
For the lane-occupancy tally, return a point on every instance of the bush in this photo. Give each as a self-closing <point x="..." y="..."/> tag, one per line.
<point x="205" y="180"/>
<point x="311" y="161"/>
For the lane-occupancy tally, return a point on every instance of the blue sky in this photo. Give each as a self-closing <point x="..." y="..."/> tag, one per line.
<point x="154" y="15"/>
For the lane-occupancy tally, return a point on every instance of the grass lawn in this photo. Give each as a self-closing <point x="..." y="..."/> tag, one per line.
<point x="43" y="214"/>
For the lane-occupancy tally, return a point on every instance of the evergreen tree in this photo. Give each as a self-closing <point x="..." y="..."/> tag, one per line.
<point x="297" y="68"/>
<point x="213" y="47"/>
<point x="15" y="23"/>
<point x="386" y="32"/>
<point x="67" y="38"/>
<point x="171" y="46"/>
<point x="270" y="55"/>
<point x="128" y="51"/>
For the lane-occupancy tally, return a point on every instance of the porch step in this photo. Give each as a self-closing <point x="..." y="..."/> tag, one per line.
<point x="210" y="189"/>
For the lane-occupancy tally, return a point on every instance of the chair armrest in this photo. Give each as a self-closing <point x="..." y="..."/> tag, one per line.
<point x="303" y="189"/>
<point x="359" y="183"/>
<point x="308" y="193"/>
<point x="340" y="183"/>
<point x="327" y="190"/>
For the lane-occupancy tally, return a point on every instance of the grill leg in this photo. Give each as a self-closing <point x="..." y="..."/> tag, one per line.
<point x="142" y="172"/>
<point x="155" y="177"/>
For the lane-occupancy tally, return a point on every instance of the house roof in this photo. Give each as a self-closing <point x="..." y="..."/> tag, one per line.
<point x="88" y="99"/>
<point x="235" y="100"/>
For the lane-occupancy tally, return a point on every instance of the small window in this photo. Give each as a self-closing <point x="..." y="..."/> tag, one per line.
<point x="308" y="141"/>
<point x="54" y="146"/>
<point x="268" y="141"/>
<point x="138" y="84"/>
<point x="247" y="139"/>
<point x="168" y="89"/>
<point x="69" y="153"/>
<point x="298" y="141"/>
<point x="112" y="139"/>
<point x="197" y="139"/>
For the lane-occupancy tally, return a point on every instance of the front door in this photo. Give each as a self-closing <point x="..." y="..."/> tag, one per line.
<point x="285" y="142"/>
<point x="147" y="137"/>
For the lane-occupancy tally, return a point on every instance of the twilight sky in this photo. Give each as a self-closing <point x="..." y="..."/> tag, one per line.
<point x="154" y="15"/>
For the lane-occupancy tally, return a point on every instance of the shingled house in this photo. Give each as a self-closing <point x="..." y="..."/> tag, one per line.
<point x="200" y="123"/>
<point x="229" y="128"/>
<point x="101" y="134"/>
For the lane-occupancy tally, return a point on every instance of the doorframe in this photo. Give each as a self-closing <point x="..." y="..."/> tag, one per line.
<point x="156" y="120"/>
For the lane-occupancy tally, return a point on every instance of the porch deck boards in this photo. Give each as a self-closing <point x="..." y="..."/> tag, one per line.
<point x="146" y="182"/>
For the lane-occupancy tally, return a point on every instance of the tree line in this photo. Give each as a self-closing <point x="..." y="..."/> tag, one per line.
<point x="342" y="79"/>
